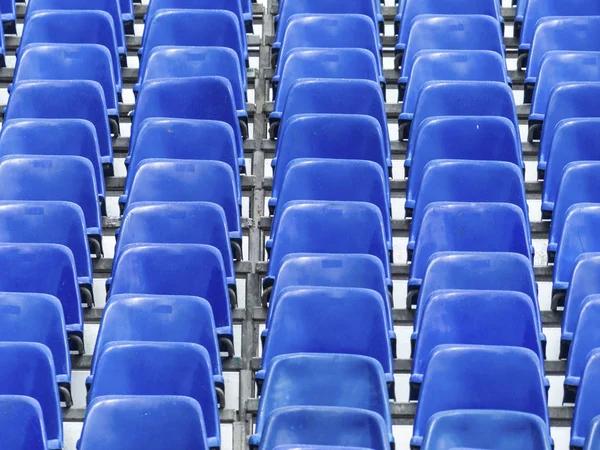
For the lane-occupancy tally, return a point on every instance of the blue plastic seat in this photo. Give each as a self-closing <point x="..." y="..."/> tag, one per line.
<point x="179" y="139"/>
<point x="2" y="49"/>
<point x="291" y="381"/>
<point x="468" y="227"/>
<point x="460" y="98"/>
<point x="206" y="98"/>
<point x="329" y="320"/>
<point x="178" y="223"/>
<point x="484" y="428"/>
<point x="326" y="179"/>
<point x="159" y="318"/>
<point x="574" y="140"/>
<point x="451" y="383"/>
<point x="324" y="425"/>
<point x="159" y="368"/>
<point x="61" y="178"/>
<point x="74" y="27"/>
<point x="70" y="62"/>
<point x="586" y="406"/>
<point x="140" y="270"/>
<point x="354" y="63"/>
<point x="75" y="137"/>
<point x="561" y="33"/>
<point x="449" y="32"/>
<point x="27" y="369"/>
<point x="460" y="137"/>
<point x="9" y="16"/>
<point x="23" y="424"/>
<point x="127" y="16"/>
<point x="64" y="100"/>
<point x="165" y="180"/>
<point x="122" y="422"/>
<point x="506" y="318"/>
<point x="592" y="439"/>
<point x="332" y="227"/>
<point x="468" y="181"/>
<point x="348" y="136"/>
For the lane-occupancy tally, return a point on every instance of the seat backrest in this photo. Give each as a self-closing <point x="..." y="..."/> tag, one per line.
<point x="586" y="405"/>
<point x="23" y="423"/>
<point x="585" y="339"/>
<point x="593" y="437"/>
<point x="142" y="422"/>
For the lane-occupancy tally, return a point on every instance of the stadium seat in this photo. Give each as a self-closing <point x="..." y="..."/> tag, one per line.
<point x="585" y="284"/>
<point x="27" y="369"/>
<point x="350" y="136"/>
<point x="61" y="178"/>
<point x="9" y="16"/>
<point x="301" y="63"/>
<point x="207" y="98"/>
<point x="140" y="269"/>
<point x="165" y="180"/>
<point x="504" y="318"/>
<point x="468" y="227"/>
<point x="480" y="428"/>
<point x="74" y="27"/>
<point x="592" y="439"/>
<point x="460" y="137"/>
<point x="450" y="383"/>
<point x="329" y="320"/>
<point x="22" y="423"/>
<point x="449" y="65"/>
<point x="468" y="181"/>
<point x="324" y="426"/>
<point x="460" y="98"/>
<point x="159" y="368"/>
<point x="149" y="422"/>
<point x="183" y="139"/>
<point x="159" y="318"/>
<point x="586" y="406"/>
<point x="76" y="137"/>
<point x="127" y="16"/>
<point x="64" y="100"/>
<point x="335" y="227"/>
<point x="449" y="32"/>
<point x="291" y="381"/>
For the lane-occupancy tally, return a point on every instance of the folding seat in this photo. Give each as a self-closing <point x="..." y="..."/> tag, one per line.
<point x="316" y="96"/>
<point x="27" y="369"/>
<point x="584" y="286"/>
<point x="178" y="139"/>
<point x="449" y="32"/>
<point x="350" y="136"/>
<point x="165" y="180"/>
<point x="200" y="273"/>
<point x="124" y="422"/>
<point x="473" y="428"/>
<point x="340" y="315"/>
<point x="585" y="420"/>
<point x="504" y="318"/>
<point x="327" y="31"/>
<point x="71" y="62"/>
<point x="592" y="439"/>
<point x="450" y="383"/>
<point x="127" y="16"/>
<point x="460" y="98"/>
<point x="574" y="140"/>
<point x="75" y="137"/>
<point x="328" y="426"/>
<point x="301" y="63"/>
<point x="460" y="137"/>
<point x="468" y="181"/>
<point x="160" y="318"/>
<point x="22" y="425"/>
<point x="206" y="98"/>
<point x="291" y="381"/>
<point x="327" y="180"/>
<point x="64" y="100"/>
<point x="74" y="27"/>
<point x="2" y="49"/>
<point x="45" y="269"/>
<point x="178" y="223"/>
<point x="9" y="16"/>
<point x="55" y="178"/>
<point x="159" y="369"/>
<point x="573" y="34"/>
<point x="567" y="101"/>
<point x="468" y="227"/>
<point x="332" y="227"/>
